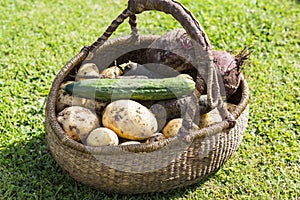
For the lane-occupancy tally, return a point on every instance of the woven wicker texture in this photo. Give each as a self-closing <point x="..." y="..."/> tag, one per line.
<point x="159" y="166"/>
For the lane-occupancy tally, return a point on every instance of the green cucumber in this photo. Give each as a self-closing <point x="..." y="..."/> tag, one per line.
<point x="135" y="89"/>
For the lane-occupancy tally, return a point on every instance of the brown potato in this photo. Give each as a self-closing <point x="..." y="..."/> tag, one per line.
<point x="77" y="122"/>
<point x="102" y="137"/>
<point x="155" y="137"/>
<point x="65" y="100"/>
<point x="129" y="119"/>
<point x="173" y="126"/>
<point x="111" y="72"/>
<point x="86" y="71"/>
<point x="213" y="116"/>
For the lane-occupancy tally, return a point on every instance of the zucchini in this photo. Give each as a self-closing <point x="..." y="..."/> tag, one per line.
<point x="135" y="89"/>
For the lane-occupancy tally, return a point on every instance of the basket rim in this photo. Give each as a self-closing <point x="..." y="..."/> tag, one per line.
<point x="133" y="148"/>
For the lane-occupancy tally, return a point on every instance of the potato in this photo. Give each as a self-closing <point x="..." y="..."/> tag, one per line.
<point x="112" y="72"/>
<point x="155" y="137"/>
<point x="97" y="106"/>
<point x="173" y="126"/>
<point x="129" y="119"/>
<point x="210" y="118"/>
<point x="130" y="142"/>
<point x="78" y="122"/>
<point x="87" y="70"/>
<point x="102" y="137"/>
<point x="213" y="116"/>
<point x="65" y="100"/>
<point x="230" y="107"/>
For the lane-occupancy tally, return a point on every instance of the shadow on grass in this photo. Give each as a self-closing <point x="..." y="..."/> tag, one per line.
<point x="28" y="171"/>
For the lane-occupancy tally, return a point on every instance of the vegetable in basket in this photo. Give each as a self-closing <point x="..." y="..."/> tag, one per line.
<point x="102" y="137"/>
<point x="229" y="67"/>
<point x="136" y="89"/>
<point x="65" y="100"/>
<point x="175" y="108"/>
<point x="175" y="49"/>
<point x="86" y="71"/>
<point x="155" y="137"/>
<point x="173" y="126"/>
<point x="214" y="116"/>
<point x="111" y="72"/>
<point x="129" y="119"/>
<point x="78" y="122"/>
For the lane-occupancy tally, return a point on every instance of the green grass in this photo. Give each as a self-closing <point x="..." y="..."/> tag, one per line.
<point x="38" y="37"/>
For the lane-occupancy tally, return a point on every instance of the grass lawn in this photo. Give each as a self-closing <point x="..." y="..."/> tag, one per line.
<point x="38" y="37"/>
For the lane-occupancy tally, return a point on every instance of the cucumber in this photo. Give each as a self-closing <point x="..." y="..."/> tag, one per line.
<point x="135" y="89"/>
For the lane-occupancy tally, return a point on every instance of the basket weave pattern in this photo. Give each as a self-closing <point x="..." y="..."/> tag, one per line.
<point x="115" y="169"/>
<point x="205" y="156"/>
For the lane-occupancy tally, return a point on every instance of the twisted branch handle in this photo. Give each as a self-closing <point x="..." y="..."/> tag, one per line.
<point x="178" y="11"/>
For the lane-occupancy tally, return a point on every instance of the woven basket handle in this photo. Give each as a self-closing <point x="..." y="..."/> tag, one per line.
<point x="178" y="11"/>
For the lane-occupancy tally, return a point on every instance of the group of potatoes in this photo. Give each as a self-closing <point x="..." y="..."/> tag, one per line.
<point x="120" y="122"/>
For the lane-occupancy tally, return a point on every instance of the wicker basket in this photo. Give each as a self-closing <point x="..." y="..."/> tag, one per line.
<point x="154" y="167"/>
